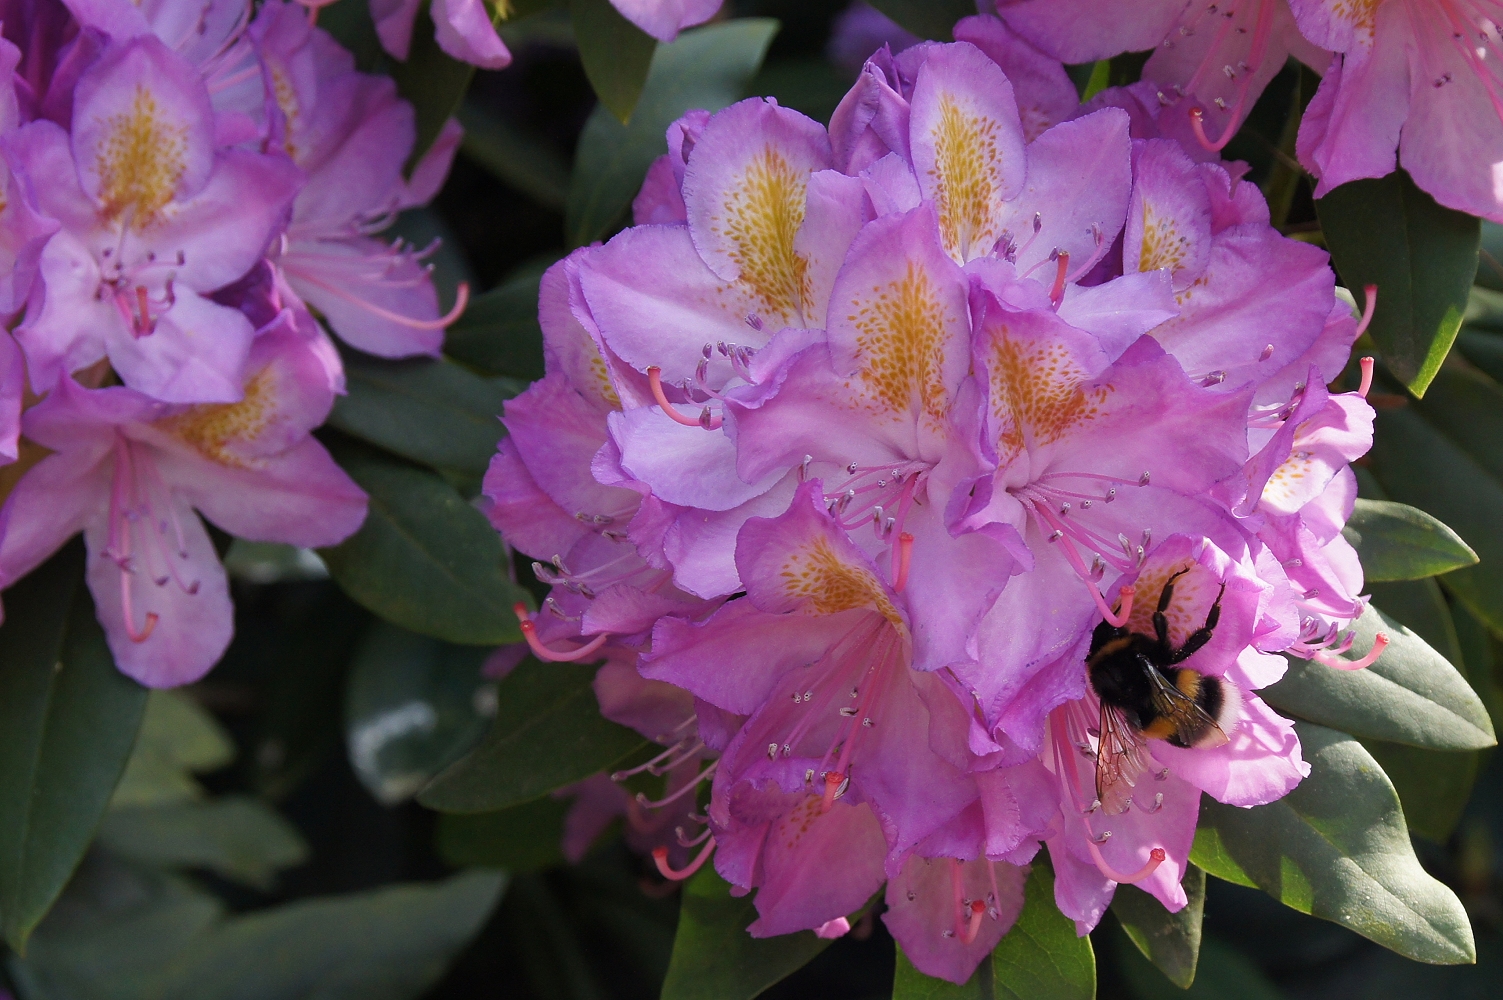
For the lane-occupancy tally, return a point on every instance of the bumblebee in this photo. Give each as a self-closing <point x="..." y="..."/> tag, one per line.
<point x="1145" y="694"/>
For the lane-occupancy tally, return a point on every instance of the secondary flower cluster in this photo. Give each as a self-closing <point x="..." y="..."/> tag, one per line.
<point x="179" y="179"/>
<point x="1418" y="79"/>
<point x="865" y="439"/>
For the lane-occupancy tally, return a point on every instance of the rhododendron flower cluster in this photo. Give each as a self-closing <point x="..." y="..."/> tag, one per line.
<point x="1417" y="82"/>
<point x="180" y="179"/>
<point x="849" y="450"/>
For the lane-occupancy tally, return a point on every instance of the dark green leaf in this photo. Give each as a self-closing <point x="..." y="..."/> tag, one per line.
<point x="523" y="838"/>
<point x="548" y="732"/>
<point x="178" y="739"/>
<point x="387" y="944"/>
<point x="706" y="68"/>
<point x="424" y="558"/>
<point x="1399" y="542"/>
<point x="1099" y="80"/>
<point x="927" y="18"/>
<point x="908" y="983"/>
<point x="1211" y="856"/>
<point x="1412" y="695"/>
<point x="1225" y="974"/>
<point x="428" y="410"/>
<point x="499" y="333"/>
<point x="412" y="705"/>
<point x="1171" y="941"/>
<point x="1421" y="465"/>
<point x="1422" y="256"/>
<point x="432" y="81"/>
<point x="713" y="956"/>
<point x="1042" y="956"/>
<point x="526" y="162"/>
<point x="616" y="54"/>
<point x="1434" y="786"/>
<point x="237" y="837"/>
<point x="1337" y="847"/>
<point x="67" y="722"/>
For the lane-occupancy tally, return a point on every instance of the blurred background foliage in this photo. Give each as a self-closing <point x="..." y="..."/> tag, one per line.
<point x="257" y="836"/>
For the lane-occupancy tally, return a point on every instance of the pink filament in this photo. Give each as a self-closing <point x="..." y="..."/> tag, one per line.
<point x="655" y="380"/>
<point x="1155" y="858"/>
<point x="462" y="299"/>
<point x="1367" y="310"/>
<point x="905" y="558"/>
<point x="660" y="858"/>
<point x="1366" y="365"/>
<point x="1380" y="643"/>
<point x="833" y="781"/>
<point x="1261" y="30"/>
<point x="1057" y="293"/>
<point x="542" y="652"/>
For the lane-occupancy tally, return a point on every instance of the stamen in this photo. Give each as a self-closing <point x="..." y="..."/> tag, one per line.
<point x="646" y="803"/>
<point x="835" y="786"/>
<point x="542" y="652"/>
<point x="704" y="420"/>
<point x="1380" y="643"/>
<point x="1155" y="858"/>
<point x="462" y="299"/>
<point x="1367" y="309"/>
<point x="660" y="858"/>
<point x="1057" y="293"/>
<point x="978" y="908"/>
<point x="1366" y="365"/>
<point x="905" y="558"/>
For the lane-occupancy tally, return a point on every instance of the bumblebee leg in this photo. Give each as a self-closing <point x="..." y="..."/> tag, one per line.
<point x="1160" y="621"/>
<point x="1195" y="640"/>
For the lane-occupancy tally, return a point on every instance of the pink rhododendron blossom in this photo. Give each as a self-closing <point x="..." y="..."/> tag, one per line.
<point x="462" y="28"/>
<point x="152" y="217"/>
<point x="1417" y="78"/>
<point x="664" y="19"/>
<point x="867" y="439"/>
<point x="1210" y="60"/>
<point x="134" y="474"/>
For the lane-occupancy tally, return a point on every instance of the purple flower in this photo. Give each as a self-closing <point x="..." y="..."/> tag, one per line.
<point x="1417" y="78"/>
<point x="463" y="29"/>
<point x="153" y="217"/>
<point x="130" y="472"/>
<point x="861" y="30"/>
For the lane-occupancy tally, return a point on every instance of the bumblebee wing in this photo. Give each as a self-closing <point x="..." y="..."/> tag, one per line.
<point x="1121" y="759"/>
<point x="1191" y="722"/>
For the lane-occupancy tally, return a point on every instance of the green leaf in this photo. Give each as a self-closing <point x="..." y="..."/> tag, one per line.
<point x="412" y="705"/>
<point x="424" y="558"/>
<point x="520" y="159"/>
<point x="1042" y="956"/>
<point x="1171" y="941"/>
<point x="927" y="18"/>
<point x="1225" y="974"/>
<point x="67" y="722"/>
<point x="1436" y="456"/>
<point x="908" y="983"/>
<point x="428" y="410"/>
<point x="432" y="81"/>
<point x="705" y="68"/>
<point x="810" y="85"/>
<point x="713" y="956"/>
<point x="237" y="837"/>
<point x="523" y="838"/>
<point x="129" y="934"/>
<point x="499" y="332"/>
<point x="1399" y="542"/>
<point x="1421" y="255"/>
<point x="1099" y="80"/>
<point x="1412" y="695"/>
<point x="616" y="54"/>
<point x="1211" y="856"/>
<point x="548" y="732"/>
<point x="1434" y="786"/>
<point x="1337" y="847"/>
<point x="178" y="739"/>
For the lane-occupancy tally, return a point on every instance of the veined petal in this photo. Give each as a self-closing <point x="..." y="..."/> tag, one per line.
<point x="1169" y="218"/>
<point x="967" y="143"/>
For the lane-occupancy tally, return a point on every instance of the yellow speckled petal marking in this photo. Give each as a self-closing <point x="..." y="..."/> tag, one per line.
<point x="1193" y="594"/>
<point x="900" y="342"/>
<point x="967" y="179"/>
<point x="1163" y="243"/>
<point x="1362" y="15"/>
<point x="1038" y="394"/>
<point x="762" y="214"/>
<point x="213" y="429"/>
<point x="1286" y="482"/>
<point x="831" y="585"/>
<point x="140" y="161"/>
